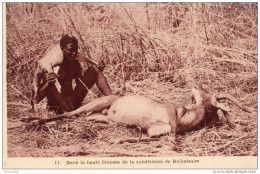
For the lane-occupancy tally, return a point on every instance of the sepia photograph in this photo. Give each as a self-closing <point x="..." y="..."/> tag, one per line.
<point x="130" y="85"/>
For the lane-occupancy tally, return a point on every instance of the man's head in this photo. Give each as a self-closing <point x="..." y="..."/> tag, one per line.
<point x="69" y="46"/>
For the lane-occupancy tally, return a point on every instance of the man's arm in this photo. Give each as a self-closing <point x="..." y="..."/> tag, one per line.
<point x="101" y="64"/>
<point x="42" y="83"/>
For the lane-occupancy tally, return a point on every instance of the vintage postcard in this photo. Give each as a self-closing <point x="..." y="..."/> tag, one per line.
<point x="130" y="85"/>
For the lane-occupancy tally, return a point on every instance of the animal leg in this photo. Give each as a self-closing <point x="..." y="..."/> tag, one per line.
<point x="170" y="138"/>
<point x="96" y="105"/>
<point x="140" y="136"/>
<point x="98" y="117"/>
<point x="159" y="129"/>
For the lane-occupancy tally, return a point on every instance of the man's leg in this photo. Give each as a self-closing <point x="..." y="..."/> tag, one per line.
<point x="102" y="83"/>
<point x="56" y="102"/>
<point x="91" y="76"/>
<point x="66" y="92"/>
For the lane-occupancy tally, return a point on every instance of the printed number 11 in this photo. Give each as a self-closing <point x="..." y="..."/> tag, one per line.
<point x="57" y="162"/>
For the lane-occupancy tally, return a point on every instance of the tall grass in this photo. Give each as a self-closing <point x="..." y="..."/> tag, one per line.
<point x="213" y="49"/>
<point x="155" y="49"/>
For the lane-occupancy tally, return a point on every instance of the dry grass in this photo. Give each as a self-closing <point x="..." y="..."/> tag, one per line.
<point x="145" y="54"/>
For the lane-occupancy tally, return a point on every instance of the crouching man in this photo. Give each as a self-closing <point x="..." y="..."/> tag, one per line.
<point x="69" y="98"/>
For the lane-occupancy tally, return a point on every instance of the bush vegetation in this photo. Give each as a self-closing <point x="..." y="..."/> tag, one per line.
<point x="158" y="50"/>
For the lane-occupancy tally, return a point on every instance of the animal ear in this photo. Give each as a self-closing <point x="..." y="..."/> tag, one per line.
<point x="223" y="106"/>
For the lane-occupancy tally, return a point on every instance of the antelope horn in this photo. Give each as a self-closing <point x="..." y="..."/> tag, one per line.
<point x="234" y="100"/>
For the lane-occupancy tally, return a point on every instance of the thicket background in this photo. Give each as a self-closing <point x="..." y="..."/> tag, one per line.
<point x="155" y="49"/>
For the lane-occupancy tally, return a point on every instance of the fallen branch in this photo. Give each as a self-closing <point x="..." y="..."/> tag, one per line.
<point x="47" y="120"/>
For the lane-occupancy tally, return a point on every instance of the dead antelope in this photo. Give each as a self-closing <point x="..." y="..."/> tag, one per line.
<point x="161" y="118"/>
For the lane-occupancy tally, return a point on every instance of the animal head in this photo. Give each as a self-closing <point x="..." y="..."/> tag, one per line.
<point x="202" y="97"/>
<point x="208" y="100"/>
